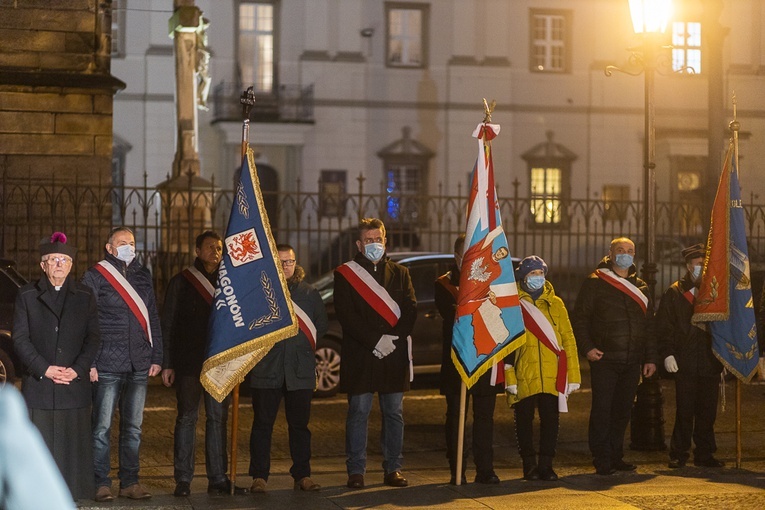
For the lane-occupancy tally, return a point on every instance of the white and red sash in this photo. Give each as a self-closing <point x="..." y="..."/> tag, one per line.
<point x="372" y="292"/>
<point x="623" y="285"/>
<point x="306" y="324"/>
<point x="690" y="294"/>
<point x="128" y="294"/>
<point x="539" y="325"/>
<point x="200" y="282"/>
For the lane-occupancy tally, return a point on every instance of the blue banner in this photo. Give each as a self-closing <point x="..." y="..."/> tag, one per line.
<point x="252" y="309"/>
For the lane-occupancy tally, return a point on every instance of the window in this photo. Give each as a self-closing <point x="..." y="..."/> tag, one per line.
<point x="407" y="30"/>
<point x="332" y="191"/>
<point x="686" y="46"/>
<point x="615" y="202"/>
<point x="550" y="41"/>
<point x="402" y="185"/>
<point x="256" y="45"/>
<point x="118" y="28"/>
<point x="546" y="186"/>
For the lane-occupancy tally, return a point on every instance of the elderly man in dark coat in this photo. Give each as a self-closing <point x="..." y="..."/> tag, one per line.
<point x="376" y="307"/>
<point x="56" y="336"/>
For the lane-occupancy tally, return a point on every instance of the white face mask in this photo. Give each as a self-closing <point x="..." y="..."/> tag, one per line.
<point x="126" y="253"/>
<point x="374" y="251"/>
<point x="696" y="273"/>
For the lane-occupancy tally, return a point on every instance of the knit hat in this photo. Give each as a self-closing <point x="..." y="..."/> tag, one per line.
<point x="694" y="252"/>
<point x="529" y="264"/>
<point x="57" y="244"/>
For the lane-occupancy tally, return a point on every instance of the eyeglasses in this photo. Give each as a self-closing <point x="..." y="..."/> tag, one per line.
<point x="288" y="262"/>
<point x="52" y="261"/>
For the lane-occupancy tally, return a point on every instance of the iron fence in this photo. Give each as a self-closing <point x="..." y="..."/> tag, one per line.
<point x="571" y="236"/>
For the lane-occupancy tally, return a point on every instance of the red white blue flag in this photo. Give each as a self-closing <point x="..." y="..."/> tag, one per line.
<point x="488" y="323"/>
<point x="724" y="300"/>
<point x="252" y="309"/>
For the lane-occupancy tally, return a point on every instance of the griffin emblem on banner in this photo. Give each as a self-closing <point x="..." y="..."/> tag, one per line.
<point x="243" y="247"/>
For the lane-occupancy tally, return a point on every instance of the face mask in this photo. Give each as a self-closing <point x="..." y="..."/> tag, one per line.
<point x="623" y="260"/>
<point x="374" y="251"/>
<point x="535" y="282"/>
<point x="696" y="273"/>
<point x="126" y="253"/>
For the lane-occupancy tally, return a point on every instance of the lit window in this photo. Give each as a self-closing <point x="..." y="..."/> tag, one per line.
<point x="407" y="29"/>
<point x="686" y="46"/>
<point x="546" y="186"/>
<point x="256" y="45"/>
<point x="403" y="189"/>
<point x="550" y="41"/>
<point x="118" y="28"/>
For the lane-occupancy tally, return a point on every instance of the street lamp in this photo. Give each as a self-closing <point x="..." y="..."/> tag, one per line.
<point x="649" y="20"/>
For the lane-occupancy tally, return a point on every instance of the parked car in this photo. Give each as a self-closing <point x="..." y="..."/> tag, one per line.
<point x="10" y="281"/>
<point x="424" y="268"/>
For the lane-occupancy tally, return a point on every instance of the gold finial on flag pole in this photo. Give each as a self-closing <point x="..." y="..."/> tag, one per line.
<point x="735" y="126"/>
<point x="487" y="109"/>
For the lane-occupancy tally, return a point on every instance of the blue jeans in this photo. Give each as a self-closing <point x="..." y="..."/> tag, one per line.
<point x="189" y="391"/>
<point x="129" y="391"/>
<point x="391" y="433"/>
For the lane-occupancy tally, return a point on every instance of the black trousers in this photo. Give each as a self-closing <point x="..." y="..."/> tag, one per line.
<point x="297" y="408"/>
<point x="548" y="425"/>
<point x="613" y="393"/>
<point x="696" y="403"/>
<point x="483" y="432"/>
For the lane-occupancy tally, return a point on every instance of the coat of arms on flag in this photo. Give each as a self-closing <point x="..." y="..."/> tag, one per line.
<point x="488" y="324"/>
<point x="724" y="300"/>
<point x="252" y="309"/>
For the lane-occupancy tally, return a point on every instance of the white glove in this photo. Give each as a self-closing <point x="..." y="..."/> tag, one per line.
<point x="571" y="388"/>
<point x="670" y="364"/>
<point x="385" y="346"/>
<point x="512" y="389"/>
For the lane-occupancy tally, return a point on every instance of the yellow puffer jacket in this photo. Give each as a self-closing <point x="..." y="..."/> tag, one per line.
<point x="536" y="367"/>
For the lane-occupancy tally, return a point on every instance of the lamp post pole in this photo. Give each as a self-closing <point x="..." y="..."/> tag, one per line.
<point x="649" y="167"/>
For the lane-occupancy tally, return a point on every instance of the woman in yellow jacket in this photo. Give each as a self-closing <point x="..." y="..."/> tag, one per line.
<point x="545" y="369"/>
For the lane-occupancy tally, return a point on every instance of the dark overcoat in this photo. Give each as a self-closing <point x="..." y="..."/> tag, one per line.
<point x="361" y="371"/>
<point x="45" y="334"/>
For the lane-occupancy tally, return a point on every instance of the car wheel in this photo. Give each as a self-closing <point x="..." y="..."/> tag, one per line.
<point x="7" y="371"/>
<point x="327" y="368"/>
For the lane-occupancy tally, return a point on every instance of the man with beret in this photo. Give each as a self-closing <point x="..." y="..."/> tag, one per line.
<point x="687" y="353"/>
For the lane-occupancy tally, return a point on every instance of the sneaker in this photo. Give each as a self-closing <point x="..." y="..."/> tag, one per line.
<point x="258" y="485"/>
<point x="182" y="489"/>
<point x="306" y="484"/>
<point x="135" y="491"/>
<point x="103" y="494"/>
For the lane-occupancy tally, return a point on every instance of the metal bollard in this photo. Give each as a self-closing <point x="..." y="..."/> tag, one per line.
<point x="647" y="429"/>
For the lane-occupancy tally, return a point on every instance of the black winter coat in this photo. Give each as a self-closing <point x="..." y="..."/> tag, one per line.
<point x="124" y="345"/>
<point x="676" y="336"/>
<point x="185" y="318"/>
<point x="609" y="320"/>
<point x="360" y="370"/>
<point x="450" y="378"/>
<point x="59" y="331"/>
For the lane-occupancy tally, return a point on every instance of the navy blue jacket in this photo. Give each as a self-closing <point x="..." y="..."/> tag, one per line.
<point x="124" y="345"/>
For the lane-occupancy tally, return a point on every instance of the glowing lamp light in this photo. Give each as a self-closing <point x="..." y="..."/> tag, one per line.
<point x="650" y="16"/>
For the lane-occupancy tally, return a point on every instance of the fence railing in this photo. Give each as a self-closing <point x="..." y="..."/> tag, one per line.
<point x="322" y="228"/>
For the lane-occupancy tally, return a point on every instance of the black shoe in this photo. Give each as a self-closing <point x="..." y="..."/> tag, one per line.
<point x="182" y="489"/>
<point x="710" y="462"/>
<point x="676" y="463"/>
<point x="489" y="479"/>
<point x="224" y="487"/>
<point x="548" y="475"/>
<point x="453" y="480"/>
<point x="620" y="465"/>
<point x="396" y="479"/>
<point x="605" y="471"/>
<point x="531" y="474"/>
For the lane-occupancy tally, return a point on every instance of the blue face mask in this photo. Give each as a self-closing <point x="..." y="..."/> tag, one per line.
<point x="374" y="251"/>
<point x="535" y="282"/>
<point x="696" y="272"/>
<point x="623" y="260"/>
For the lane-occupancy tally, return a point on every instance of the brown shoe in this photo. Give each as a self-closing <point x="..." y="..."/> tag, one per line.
<point x="355" y="481"/>
<point x="103" y="493"/>
<point x="258" y="485"/>
<point x="135" y="491"/>
<point x="396" y="479"/>
<point x="306" y="484"/>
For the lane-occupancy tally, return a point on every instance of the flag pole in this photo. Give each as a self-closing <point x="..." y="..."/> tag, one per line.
<point x="734" y="127"/>
<point x="247" y="100"/>
<point x="461" y="433"/>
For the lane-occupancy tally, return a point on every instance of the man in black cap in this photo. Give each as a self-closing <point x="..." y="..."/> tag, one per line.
<point x="687" y="353"/>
